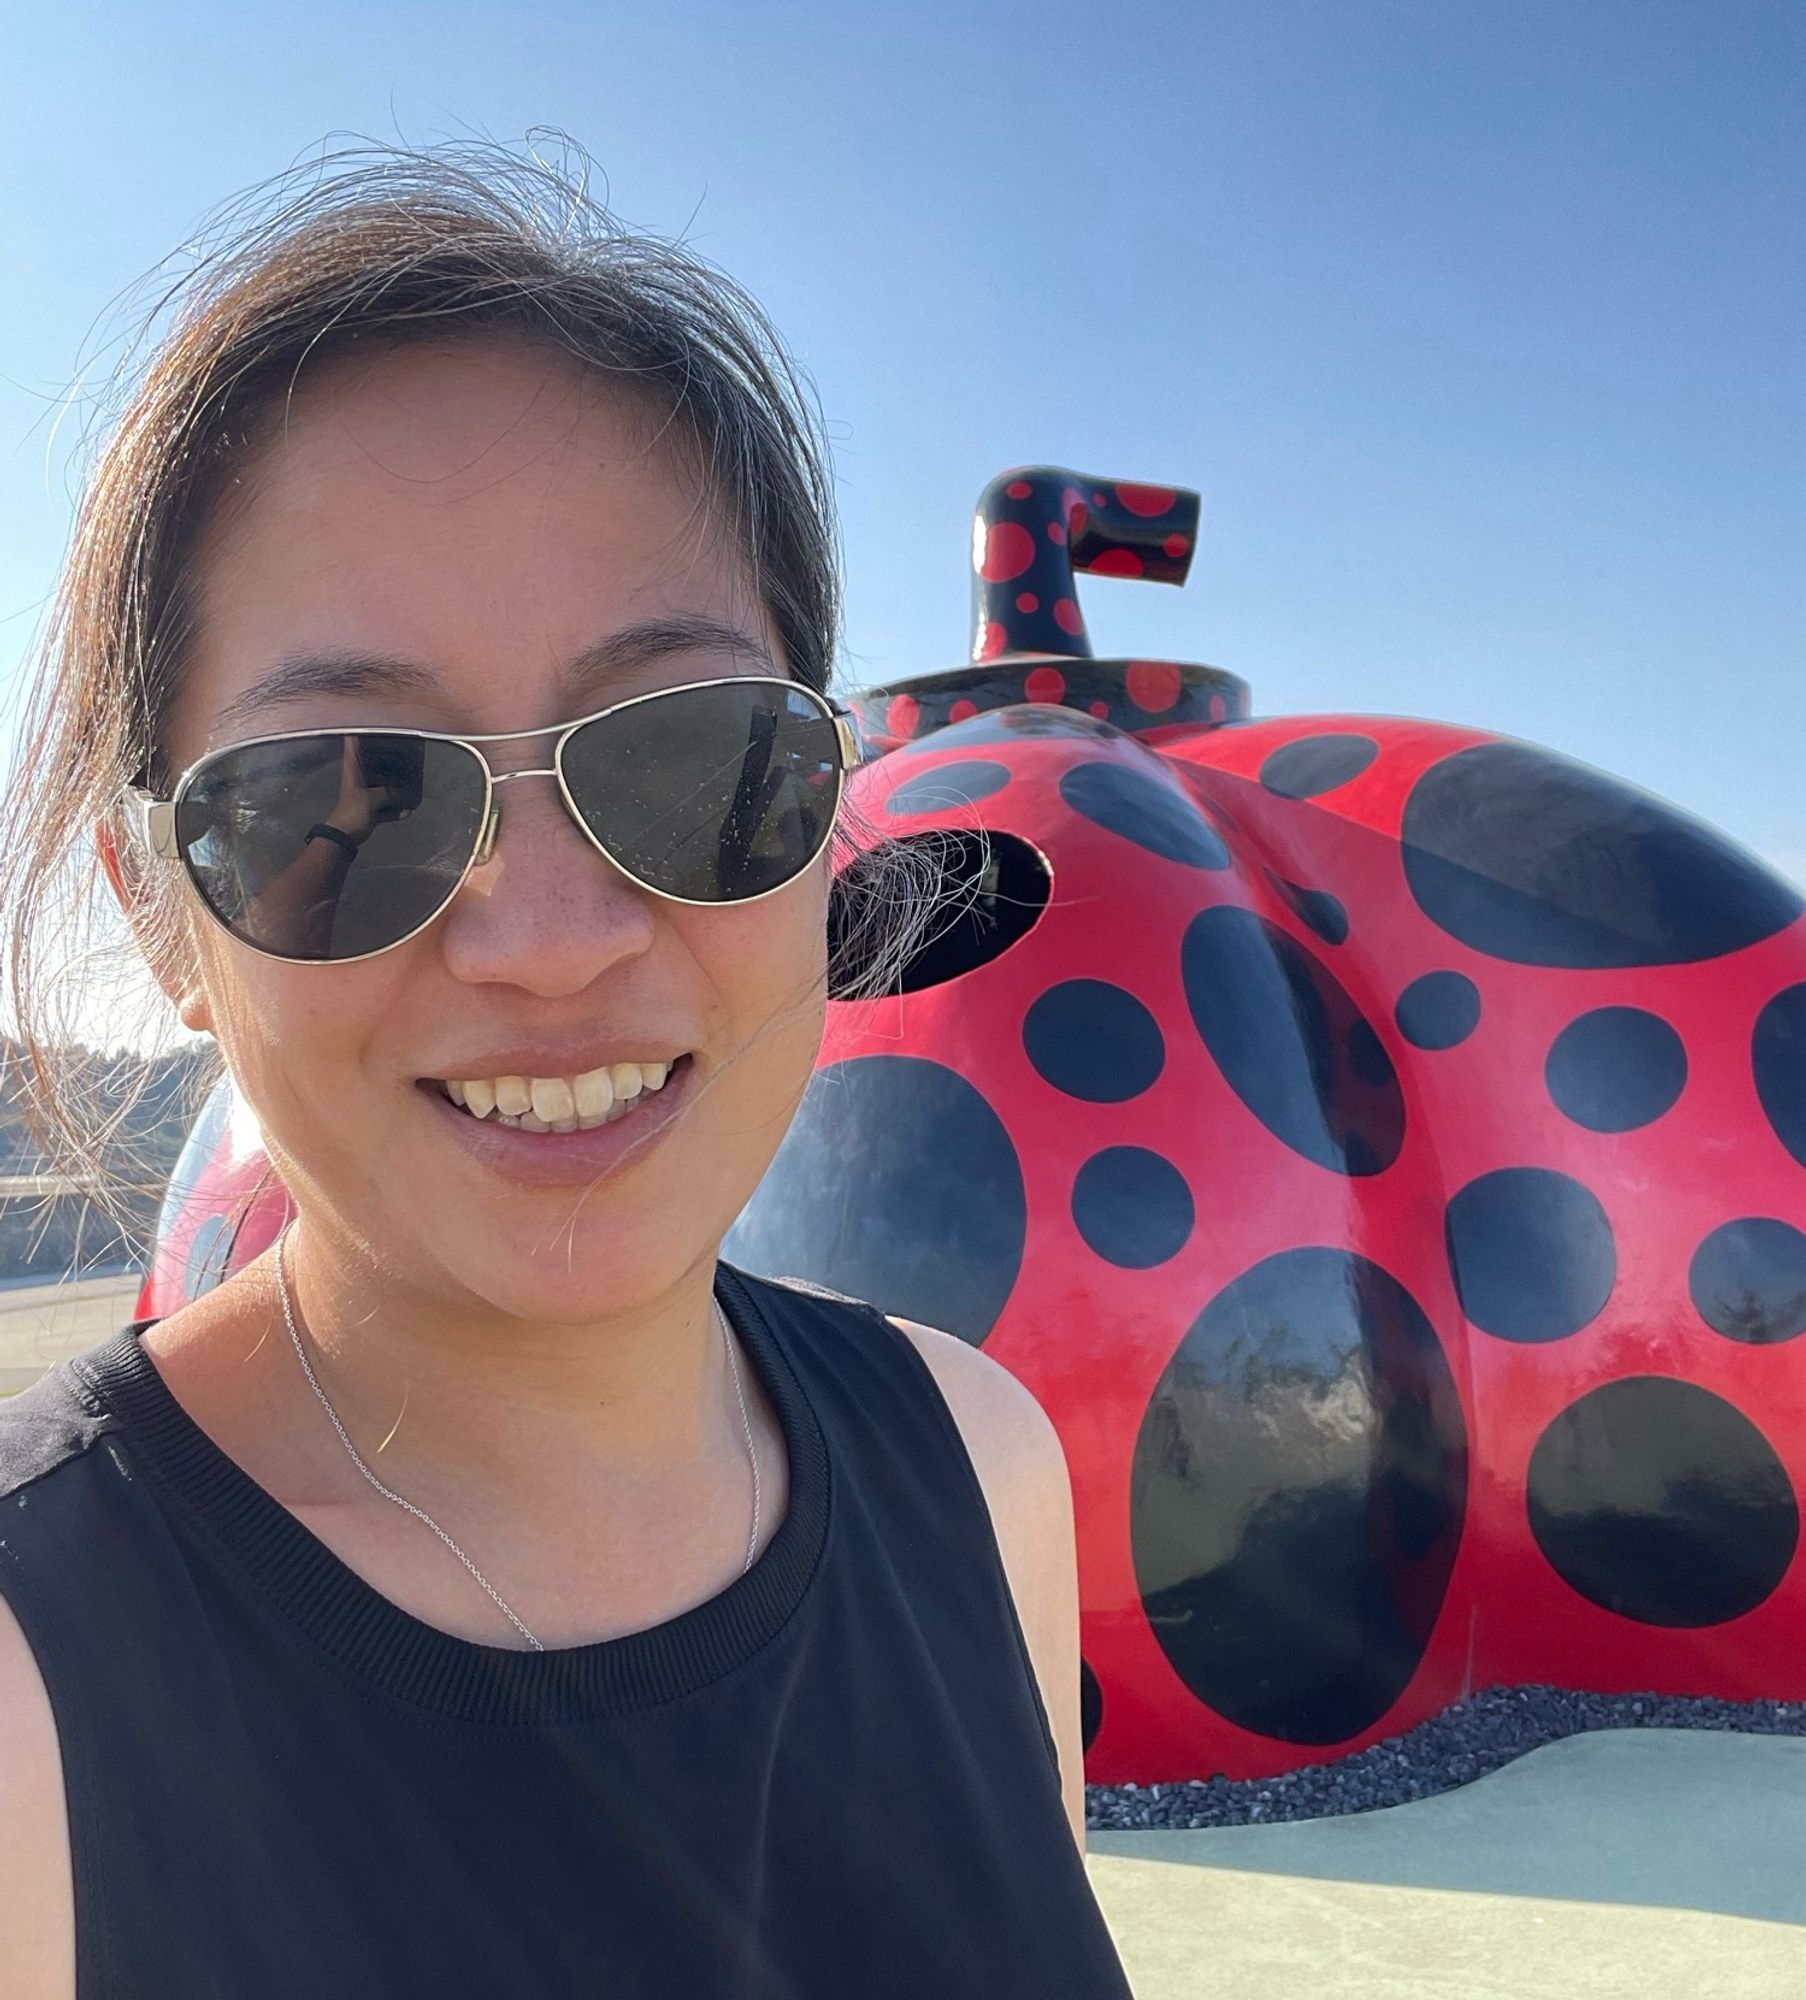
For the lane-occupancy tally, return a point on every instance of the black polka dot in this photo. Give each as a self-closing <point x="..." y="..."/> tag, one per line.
<point x="947" y="786"/>
<point x="1093" y="1040"/>
<point x="1297" y="1496"/>
<point x="1091" y="1705"/>
<point x="209" y="1255"/>
<point x="898" y="1184"/>
<point x="1778" y="1055"/>
<point x="1536" y="858"/>
<point x="1367" y="1057"/>
<point x="1316" y="907"/>
<point x="1748" y="1280"/>
<point x="1132" y="1207"/>
<point x="1012" y="724"/>
<point x="1316" y="764"/>
<point x="1663" y="1503"/>
<point x="1532" y="1254"/>
<point x="1291" y="1042"/>
<point x="1616" y="1068"/>
<point x="1438" y="1011"/>
<point x="1149" y="811"/>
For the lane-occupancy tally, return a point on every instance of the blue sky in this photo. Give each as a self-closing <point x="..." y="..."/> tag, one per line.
<point x="1479" y="326"/>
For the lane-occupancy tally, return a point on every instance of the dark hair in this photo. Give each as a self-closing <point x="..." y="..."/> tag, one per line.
<point x="376" y="245"/>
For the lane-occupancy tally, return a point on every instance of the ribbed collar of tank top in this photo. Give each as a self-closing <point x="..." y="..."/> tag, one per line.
<point x="460" y="1678"/>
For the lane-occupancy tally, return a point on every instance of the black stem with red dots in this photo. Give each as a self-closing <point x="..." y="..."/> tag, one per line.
<point x="1035" y="529"/>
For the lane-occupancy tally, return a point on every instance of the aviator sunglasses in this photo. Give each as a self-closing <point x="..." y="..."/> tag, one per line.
<point x="324" y="845"/>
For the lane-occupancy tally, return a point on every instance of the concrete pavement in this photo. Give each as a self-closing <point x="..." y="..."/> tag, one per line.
<point x="40" y="1324"/>
<point x="1643" y="1863"/>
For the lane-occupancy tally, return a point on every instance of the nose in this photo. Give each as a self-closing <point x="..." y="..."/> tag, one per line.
<point x="567" y="914"/>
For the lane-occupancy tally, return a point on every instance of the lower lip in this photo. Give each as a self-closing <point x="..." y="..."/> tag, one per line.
<point x="565" y="1159"/>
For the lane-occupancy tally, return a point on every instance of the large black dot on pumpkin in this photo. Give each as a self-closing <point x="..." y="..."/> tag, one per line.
<point x="1532" y="1253"/>
<point x="1748" y="1280"/>
<point x="898" y="1184"/>
<point x="1012" y="723"/>
<point x="209" y="1258"/>
<point x="1658" y="1500"/>
<point x="1297" y="1496"/>
<point x="1091" y="1705"/>
<point x="1291" y="1042"/>
<point x="1155" y="815"/>
<point x="1616" y="1068"/>
<point x="1438" y="1011"/>
<point x="1778" y="1056"/>
<point x="1315" y="764"/>
<point x="1132" y="1207"/>
<point x="947" y="786"/>
<point x="1539" y="859"/>
<point x="209" y="1255"/>
<point x="1094" y="1040"/>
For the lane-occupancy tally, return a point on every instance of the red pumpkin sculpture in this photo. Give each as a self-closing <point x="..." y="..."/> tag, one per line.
<point x="1380" y="1145"/>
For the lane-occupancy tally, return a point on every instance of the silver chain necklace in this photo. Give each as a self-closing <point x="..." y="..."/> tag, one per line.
<point x="420" y="1512"/>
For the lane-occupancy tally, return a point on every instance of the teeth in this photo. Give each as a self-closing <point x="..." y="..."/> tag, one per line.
<point x="560" y="1104"/>
<point x="553" y="1099"/>
<point x="594" y="1094"/>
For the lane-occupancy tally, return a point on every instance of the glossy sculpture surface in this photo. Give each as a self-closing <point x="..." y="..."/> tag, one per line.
<point x="1380" y="1145"/>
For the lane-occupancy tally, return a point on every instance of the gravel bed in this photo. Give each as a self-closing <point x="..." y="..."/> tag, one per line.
<point x="1467" y="1740"/>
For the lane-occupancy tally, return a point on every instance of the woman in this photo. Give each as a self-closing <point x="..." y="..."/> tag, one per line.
<point x="488" y="1591"/>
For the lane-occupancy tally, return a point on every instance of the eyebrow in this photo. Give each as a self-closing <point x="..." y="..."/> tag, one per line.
<point x="612" y="658"/>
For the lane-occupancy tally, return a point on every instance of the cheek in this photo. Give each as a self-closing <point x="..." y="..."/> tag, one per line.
<point x="766" y="964"/>
<point x="292" y="1038"/>
<point x="770" y="953"/>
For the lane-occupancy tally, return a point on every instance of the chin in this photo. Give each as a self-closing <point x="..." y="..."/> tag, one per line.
<point x="564" y="1268"/>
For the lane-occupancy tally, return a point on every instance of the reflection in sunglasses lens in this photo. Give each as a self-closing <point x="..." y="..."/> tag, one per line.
<point x="341" y="844"/>
<point x="711" y="793"/>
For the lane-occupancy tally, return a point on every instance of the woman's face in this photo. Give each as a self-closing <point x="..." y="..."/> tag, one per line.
<point x="488" y="513"/>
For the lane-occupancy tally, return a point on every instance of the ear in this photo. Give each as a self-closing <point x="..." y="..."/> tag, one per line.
<point x="186" y="994"/>
<point x="106" y="842"/>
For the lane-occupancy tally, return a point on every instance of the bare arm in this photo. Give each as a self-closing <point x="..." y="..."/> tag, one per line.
<point x="37" y="1893"/>
<point x="1021" y="1465"/>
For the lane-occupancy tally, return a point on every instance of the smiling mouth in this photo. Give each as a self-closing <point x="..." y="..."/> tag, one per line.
<point x="603" y="1097"/>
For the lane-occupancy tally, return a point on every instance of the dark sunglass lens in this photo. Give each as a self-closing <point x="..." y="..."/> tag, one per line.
<point x="331" y="846"/>
<point x="711" y="793"/>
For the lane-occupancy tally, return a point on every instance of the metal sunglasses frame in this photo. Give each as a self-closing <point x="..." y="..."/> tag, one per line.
<point x="157" y="817"/>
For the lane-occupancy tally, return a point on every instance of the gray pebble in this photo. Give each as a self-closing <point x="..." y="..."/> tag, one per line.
<point x="1466" y="1741"/>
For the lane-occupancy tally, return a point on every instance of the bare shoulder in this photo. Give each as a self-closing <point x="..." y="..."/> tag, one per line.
<point x="1006" y="1431"/>
<point x="1021" y="1465"/>
<point x="37" y="1894"/>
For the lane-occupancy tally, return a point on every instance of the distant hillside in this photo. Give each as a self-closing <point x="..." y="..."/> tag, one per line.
<point x="56" y="1235"/>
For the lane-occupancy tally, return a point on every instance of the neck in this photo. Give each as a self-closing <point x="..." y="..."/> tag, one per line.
<point x="444" y="1396"/>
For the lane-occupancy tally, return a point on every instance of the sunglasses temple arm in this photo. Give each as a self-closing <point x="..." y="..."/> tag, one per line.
<point x="155" y="823"/>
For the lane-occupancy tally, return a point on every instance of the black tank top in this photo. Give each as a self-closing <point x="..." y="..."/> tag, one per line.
<point x="832" y="1781"/>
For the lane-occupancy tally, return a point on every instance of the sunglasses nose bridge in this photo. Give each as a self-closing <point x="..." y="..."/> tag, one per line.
<point x="492" y="825"/>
